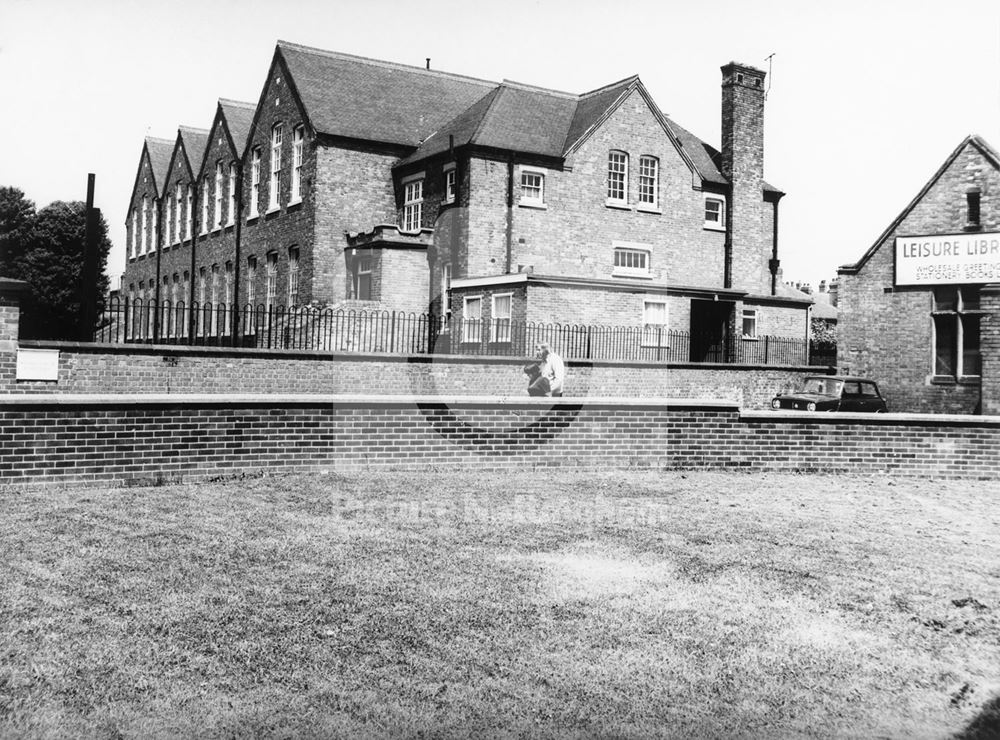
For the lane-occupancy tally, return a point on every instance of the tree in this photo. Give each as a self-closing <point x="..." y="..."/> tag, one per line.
<point x="47" y="253"/>
<point x="17" y="214"/>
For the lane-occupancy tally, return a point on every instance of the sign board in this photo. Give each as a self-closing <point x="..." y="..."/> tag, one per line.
<point x="37" y="364"/>
<point x="948" y="259"/>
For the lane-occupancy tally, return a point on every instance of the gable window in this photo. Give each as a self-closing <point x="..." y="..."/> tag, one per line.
<point x="232" y="194"/>
<point x="168" y="221"/>
<point x="178" y="198"/>
<point x="275" y="183"/>
<point x="532" y="188"/>
<point x="472" y="313"/>
<point x="450" y="178"/>
<point x="145" y="225"/>
<point x="154" y="235"/>
<point x="956" y="318"/>
<point x="363" y="279"/>
<point x="631" y="261"/>
<point x="297" y="140"/>
<point x="715" y="212"/>
<point x="251" y="280"/>
<point x="204" y="206"/>
<point x="217" y="216"/>
<point x="649" y="182"/>
<point x="254" y="184"/>
<point x="654" y="323"/>
<point x="501" y="317"/>
<point x="188" y="211"/>
<point x="134" y="235"/>
<point x="445" y="287"/>
<point x="413" y="202"/>
<point x="293" y="276"/>
<point x="972" y="199"/>
<point x="618" y="178"/>
<point x="749" y="323"/>
<point x="271" y="280"/>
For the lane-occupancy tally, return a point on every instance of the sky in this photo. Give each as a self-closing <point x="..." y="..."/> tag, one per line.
<point x="865" y="99"/>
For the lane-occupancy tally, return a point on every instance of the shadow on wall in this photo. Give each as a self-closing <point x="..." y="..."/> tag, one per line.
<point x="986" y="725"/>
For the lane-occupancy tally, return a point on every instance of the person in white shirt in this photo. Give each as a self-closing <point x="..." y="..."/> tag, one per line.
<point x="553" y="370"/>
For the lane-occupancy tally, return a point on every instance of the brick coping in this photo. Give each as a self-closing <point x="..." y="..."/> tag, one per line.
<point x="840" y="417"/>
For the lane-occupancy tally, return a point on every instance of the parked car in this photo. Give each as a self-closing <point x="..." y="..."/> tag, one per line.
<point x="833" y="393"/>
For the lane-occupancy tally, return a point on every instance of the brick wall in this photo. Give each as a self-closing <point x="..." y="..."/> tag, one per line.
<point x="158" y="439"/>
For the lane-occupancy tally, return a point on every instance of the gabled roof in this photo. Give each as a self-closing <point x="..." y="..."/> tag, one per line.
<point x="239" y="117"/>
<point x="160" y="151"/>
<point x="971" y="140"/>
<point x="195" y="141"/>
<point x="360" y="98"/>
<point x="593" y="106"/>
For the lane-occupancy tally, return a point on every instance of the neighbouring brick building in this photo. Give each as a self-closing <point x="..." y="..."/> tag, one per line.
<point x="362" y="183"/>
<point x="920" y="311"/>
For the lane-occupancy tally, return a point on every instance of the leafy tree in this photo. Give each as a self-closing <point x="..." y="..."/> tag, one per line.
<point x="823" y="333"/>
<point x="17" y="214"/>
<point x="47" y="253"/>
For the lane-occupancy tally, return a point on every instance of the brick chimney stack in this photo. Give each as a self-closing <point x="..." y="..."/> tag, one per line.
<point x="747" y="250"/>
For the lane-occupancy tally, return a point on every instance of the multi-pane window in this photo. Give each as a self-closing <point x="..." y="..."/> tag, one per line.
<point x="501" y="317"/>
<point x="298" y="138"/>
<point x="133" y="247"/>
<point x="168" y="220"/>
<point x="145" y="225"/>
<point x="413" y="200"/>
<point x="749" y="323"/>
<point x="715" y="212"/>
<point x="188" y="211"/>
<point x="275" y="183"/>
<point x="654" y="323"/>
<point x="293" y="276"/>
<point x="154" y="234"/>
<point x="204" y="206"/>
<point x="629" y="261"/>
<point x="217" y="220"/>
<point x="472" y="314"/>
<point x="957" y="317"/>
<point x="255" y="183"/>
<point x="251" y="280"/>
<point x="532" y="187"/>
<point x="445" y="287"/>
<point x="450" y="178"/>
<point x="178" y="198"/>
<point x="363" y="279"/>
<point x="271" y="279"/>
<point x="618" y="177"/>
<point x="232" y="195"/>
<point x="649" y="181"/>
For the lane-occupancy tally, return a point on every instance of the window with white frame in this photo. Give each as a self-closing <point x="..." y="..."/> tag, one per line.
<point x="654" y="323"/>
<point x="168" y="220"/>
<point x="298" y="139"/>
<point x="254" y="184"/>
<point x="363" y="278"/>
<point x="715" y="212"/>
<point x="501" y="317"/>
<point x="135" y="233"/>
<point x="154" y="234"/>
<point x="271" y="279"/>
<point x="216" y="316"/>
<point x="204" y="206"/>
<point x="227" y="308"/>
<point x="175" y="297"/>
<point x="275" y="183"/>
<point x="649" y="182"/>
<point x="185" y="292"/>
<point x="749" y="323"/>
<point x="532" y="187"/>
<point x="188" y="211"/>
<point x="178" y="199"/>
<point x="217" y="219"/>
<point x="472" y="314"/>
<point x="445" y="287"/>
<point x="232" y="194"/>
<point x="251" y="281"/>
<point x="293" y="276"/>
<point x="202" y="298"/>
<point x="631" y="260"/>
<point x="413" y="203"/>
<point x="957" y="319"/>
<point x="618" y="178"/>
<point x="450" y="180"/>
<point x="145" y="225"/>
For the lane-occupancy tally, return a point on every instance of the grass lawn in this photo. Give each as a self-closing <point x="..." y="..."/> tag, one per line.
<point x="542" y="604"/>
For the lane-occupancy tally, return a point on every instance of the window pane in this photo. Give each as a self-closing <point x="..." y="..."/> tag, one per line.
<point x="945" y="342"/>
<point x="971" y="358"/>
<point x="945" y="299"/>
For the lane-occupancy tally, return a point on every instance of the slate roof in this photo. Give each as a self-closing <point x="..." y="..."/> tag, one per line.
<point x="160" y="151"/>
<point x="195" y="144"/>
<point x="362" y="98"/>
<point x="239" y="118"/>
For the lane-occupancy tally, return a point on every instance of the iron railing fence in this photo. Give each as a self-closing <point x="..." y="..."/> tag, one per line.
<point x="354" y="330"/>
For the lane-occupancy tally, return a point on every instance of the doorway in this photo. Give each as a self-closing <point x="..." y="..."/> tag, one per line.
<point x="710" y="330"/>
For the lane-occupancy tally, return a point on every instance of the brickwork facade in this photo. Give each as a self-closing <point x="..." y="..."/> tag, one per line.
<point x="887" y="332"/>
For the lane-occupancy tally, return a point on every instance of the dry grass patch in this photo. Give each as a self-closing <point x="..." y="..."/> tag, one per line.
<point x="560" y="604"/>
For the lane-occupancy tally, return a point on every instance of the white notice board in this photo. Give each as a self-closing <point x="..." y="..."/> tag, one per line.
<point x="38" y="364"/>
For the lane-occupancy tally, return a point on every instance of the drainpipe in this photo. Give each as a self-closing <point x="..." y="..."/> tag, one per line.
<point x="238" y="235"/>
<point x="195" y="227"/>
<point x="156" y="313"/>
<point x="727" y="268"/>
<point x="774" y="262"/>
<point x="510" y="211"/>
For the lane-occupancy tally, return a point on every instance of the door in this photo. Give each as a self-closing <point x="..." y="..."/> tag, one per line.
<point x="710" y="330"/>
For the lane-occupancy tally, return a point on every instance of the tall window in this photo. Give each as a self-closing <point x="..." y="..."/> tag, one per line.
<point x="133" y="250"/>
<point x="501" y="317"/>
<point x="227" y="308"/>
<point x="450" y="178"/>
<point x="168" y="220"/>
<point x="618" y="177"/>
<point x="715" y="212"/>
<point x="178" y="198"/>
<point x="202" y="298"/>
<point x="232" y="194"/>
<point x="298" y="137"/>
<point x="178" y="312"/>
<point x="649" y="181"/>
<point x="972" y="208"/>
<point x="188" y="211"/>
<point x="251" y="280"/>
<point x="204" y="206"/>
<point x="145" y="225"/>
<point x="217" y="327"/>
<point x="363" y="279"/>
<point x="957" y="317"/>
<point x="293" y="276"/>
<point x="749" y="323"/>
<point x="275" y="182"/>
<point x="445" y="287"/>
<point x="413" y="200"/>
<point x="217" y="220"/>
<point x="532" y="187"/>
<point x="654" y="323"/>
<point x="472" y="315"/>
<point x="154" y="234"/>
<point x="271" y="278"/>
<point x="254" y="183"/>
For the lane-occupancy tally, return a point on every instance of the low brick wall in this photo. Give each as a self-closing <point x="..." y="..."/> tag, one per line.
<point x="95" y="368"/>
<point x="153" y="438"/>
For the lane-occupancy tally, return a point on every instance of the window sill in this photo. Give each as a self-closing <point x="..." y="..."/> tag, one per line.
<point x="252" y="217"/>
<point x="626" y="273"/>
<point x="619" y="204"/>
<point x="448" y="202"/>
<point x="294" y="202"/>
<point x="272" y="209"/>
<point x="748" y="338"/>
<point x="217" y="229"/>
<point x="714" y="227"/>
<point x="533" y="204"/>
<point x="230" y="224"/>
<point x="649" y="209"/>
